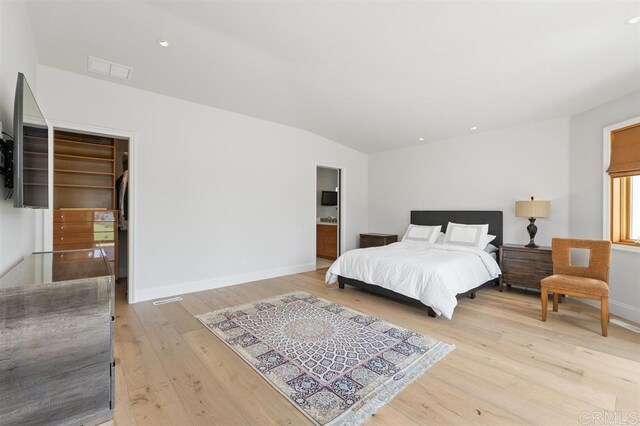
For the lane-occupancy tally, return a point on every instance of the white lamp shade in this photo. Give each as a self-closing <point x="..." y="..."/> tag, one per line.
<point x="533" y="208"/>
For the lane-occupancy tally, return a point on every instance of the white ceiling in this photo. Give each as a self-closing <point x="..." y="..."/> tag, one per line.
<point x="371" y="75"/>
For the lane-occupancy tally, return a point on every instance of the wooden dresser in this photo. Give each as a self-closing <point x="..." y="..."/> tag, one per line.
<point x="327" y="240"/>
<point x="377" y="240"/>
<point x="56" y="355"/>
<point x="524" y="266"/>
<point x="85" y="229"/>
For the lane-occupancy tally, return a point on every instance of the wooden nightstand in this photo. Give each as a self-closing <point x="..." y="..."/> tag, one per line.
<point x="524" y="266"/>
<point x="377" y="240"/>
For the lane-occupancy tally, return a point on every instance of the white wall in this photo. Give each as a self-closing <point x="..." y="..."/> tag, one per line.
<point x="586" y="202"/>
<point x="203" y="177"/>
<point x="484" y="171"/>
<point x="327" y="180"/>
<point x="17" y="54"/>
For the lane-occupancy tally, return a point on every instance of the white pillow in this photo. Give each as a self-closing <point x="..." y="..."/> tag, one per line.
<point x="490" y="248"/>
<point x="489" y="239"/>
<point x="427" y="234"/>
<point x="467" y="235"/>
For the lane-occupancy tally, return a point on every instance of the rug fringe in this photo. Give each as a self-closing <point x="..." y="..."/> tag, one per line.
<point x="378" y="398"/>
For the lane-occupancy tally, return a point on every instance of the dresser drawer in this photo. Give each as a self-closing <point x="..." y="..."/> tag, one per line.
<point x="108" y="248"/>
<point x="84" y="237"/>
<point x="82" y="227"/>
<point x="62" y="216"/>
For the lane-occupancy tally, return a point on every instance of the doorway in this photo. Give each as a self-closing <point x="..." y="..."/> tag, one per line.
<point x="328" y="215"/>
<point x="91" y="197"/>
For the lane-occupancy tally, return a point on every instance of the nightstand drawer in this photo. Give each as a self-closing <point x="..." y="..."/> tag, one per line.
<point x="528" y="256"/>
<point x="532" y="280"/>
<point x="377" y="240"/>
<point x="517" y="265"/>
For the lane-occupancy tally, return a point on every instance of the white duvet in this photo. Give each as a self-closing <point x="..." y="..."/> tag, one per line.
<point x="431" y="273"/>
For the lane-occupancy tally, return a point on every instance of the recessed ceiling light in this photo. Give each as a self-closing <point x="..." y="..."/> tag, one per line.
<point x="163" y="43"/>
<point x="420" y="139"/>
<point x="474" y="128"/>
<point x="634" y="20"/>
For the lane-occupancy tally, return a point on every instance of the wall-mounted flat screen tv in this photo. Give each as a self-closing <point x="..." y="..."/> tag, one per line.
<point x="31" y="150"/>
<point x="329" y="198"/>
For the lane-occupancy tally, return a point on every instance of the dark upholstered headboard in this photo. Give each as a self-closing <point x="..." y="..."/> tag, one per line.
<point x="469" y="217"/>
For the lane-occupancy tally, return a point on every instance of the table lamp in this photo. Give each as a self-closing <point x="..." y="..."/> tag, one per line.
<point x="532" y="209"/>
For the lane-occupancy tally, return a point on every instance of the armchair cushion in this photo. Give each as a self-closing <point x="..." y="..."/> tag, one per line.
<point x="576" y="284"/>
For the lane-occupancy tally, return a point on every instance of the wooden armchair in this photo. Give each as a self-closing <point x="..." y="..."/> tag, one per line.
<point x="590" y="282"/>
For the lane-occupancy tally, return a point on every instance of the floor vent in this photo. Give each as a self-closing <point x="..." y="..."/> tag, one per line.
<point x="626" y="325"/>
<point x="164" y="301"/>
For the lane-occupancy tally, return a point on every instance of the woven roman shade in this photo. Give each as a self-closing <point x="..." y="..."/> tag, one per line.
<point x="625" y="152"/>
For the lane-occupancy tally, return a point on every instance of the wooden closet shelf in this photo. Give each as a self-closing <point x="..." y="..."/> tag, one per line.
<point x="82" y="172"/>
<point x="84" y="193"/>
<point x="92" y="145"/>
<point x="35" y="153"/>
<point x="81" y="157"/>
<point x="65" y="185"/>
<point x="35" y="184"/>
<point x="38" y="169"/>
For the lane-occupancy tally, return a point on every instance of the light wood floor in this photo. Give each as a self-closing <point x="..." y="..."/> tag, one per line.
<point x="323" y="263"/>
<point x="508" y="366"/>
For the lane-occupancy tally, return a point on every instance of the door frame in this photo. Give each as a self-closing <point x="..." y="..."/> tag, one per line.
<point x="44" y="240"/>
<point x="342" y="211"/>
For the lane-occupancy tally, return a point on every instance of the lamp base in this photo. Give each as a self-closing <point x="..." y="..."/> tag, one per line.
<point x="533" y="230"/>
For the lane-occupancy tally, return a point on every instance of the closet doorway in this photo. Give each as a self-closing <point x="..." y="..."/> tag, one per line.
<point x="328" y="215"/>
<point x="91" y="197"/>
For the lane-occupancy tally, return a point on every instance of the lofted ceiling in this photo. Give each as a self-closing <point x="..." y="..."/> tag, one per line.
<point x="374" y="76"/>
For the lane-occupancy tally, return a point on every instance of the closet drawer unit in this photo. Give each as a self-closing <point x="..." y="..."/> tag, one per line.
<point x="82" y="227"/>
<point x="60" y="216"/>
<point x="108" y="248"/>
<point x="83" y="238"/>
<point x="64" y="216"/>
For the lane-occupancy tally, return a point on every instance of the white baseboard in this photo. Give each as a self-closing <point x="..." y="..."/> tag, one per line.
<point x="193" y="286"/>
<point x="620" y="309"/>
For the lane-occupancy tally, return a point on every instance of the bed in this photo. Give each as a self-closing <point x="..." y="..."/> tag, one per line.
<point x="440" y="292"/>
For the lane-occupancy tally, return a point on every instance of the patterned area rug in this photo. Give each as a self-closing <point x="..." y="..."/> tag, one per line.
<point x="337" y="365"/>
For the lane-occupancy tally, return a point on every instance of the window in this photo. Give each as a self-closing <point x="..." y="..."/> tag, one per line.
<point x="635" y="208"/>
<point x="624" y="172"/>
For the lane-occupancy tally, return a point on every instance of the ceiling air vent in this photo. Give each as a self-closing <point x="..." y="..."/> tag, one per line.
<point x="111" y="69"/>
